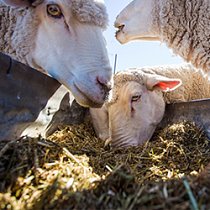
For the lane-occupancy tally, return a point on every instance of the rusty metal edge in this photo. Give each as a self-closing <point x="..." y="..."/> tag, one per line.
<point x="194" y="111"/>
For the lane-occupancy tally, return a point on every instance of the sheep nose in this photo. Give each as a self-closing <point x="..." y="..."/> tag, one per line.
<point x="118" y="24"/>
<point x="120" y="27"/>
<point x="120" y="21"/>
<point x="104" y="84"/>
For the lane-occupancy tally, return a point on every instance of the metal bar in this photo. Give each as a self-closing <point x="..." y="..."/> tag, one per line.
<point x="194" y="111"/>
<point x="115" y="63"/>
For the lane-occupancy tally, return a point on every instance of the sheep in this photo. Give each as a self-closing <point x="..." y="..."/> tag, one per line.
<point x="62" y="38"/>
<point x="137" y="102"/>
<point x="183" y="25"/>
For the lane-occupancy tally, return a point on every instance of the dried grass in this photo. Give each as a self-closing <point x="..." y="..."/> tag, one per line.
<point x="73" y="170"/>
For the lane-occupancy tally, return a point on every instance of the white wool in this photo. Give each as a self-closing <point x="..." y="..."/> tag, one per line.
<point x="68" y="45"/>
<point x="195" y="83"/>
<point x="129" y="122"/>
<point x="185" y="27"/>
<point x="18" y="26"/>
<point x="182" y="24"/>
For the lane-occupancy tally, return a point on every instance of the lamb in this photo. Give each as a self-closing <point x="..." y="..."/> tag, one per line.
<point x="182" y="24"/>
<point x="137" y="102"/>
<point x="62" y="38"/>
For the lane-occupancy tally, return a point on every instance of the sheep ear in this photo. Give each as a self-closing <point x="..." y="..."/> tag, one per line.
<point x="162" y="83"/>
<point x="17" y="3"/>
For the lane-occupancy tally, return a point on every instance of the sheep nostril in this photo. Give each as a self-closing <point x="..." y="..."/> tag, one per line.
<point x="106" y="86"/>
<point x="121" y="27"/>
<point x="118" y="22"/>
<point x="118" y="25"/>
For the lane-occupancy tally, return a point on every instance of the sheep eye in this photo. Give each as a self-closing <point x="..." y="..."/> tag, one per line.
<point x="135" y="98"/>
<point x="54" y="11"/>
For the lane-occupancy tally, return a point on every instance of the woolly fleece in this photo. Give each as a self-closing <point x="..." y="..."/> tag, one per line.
<point x="18" y="26"/>
<point x="185" y="27"/>
<point x="195" y="84"/>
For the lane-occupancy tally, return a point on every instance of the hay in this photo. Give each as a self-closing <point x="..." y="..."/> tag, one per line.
<point x="73" y="170"/>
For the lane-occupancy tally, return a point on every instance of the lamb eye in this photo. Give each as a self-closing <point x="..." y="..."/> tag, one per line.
<point x="54" y="11"/>
<point x="135" y="98"/>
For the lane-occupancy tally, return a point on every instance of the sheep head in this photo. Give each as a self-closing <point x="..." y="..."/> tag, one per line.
<point x="136" y="107"/>
<point x="139" y="20"/>
<point x="67" y="44"/>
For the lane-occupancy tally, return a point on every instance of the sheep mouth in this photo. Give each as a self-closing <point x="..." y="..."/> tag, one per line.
<point x="117" y="32"/>
<point x="122" y="144"/>
<point x="85" y="100"/>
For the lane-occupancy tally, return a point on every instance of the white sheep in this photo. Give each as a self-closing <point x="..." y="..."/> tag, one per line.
<point x="62" y="38"/>
<point x="138" y="99"/>
<point x="183" y="25"/>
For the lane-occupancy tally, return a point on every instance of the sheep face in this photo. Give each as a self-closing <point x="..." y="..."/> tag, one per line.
<point x="136" y="21"/>
<point x="69" y="46"/>
<point x="74" y="52"/>
<point x="134" y="110"/>
<point x="135" y="115"/>
<point x="100" y="120"/>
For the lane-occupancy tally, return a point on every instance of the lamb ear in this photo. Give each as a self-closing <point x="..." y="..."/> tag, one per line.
<point x="162" y="83"/>
<point x="17" y="3"/>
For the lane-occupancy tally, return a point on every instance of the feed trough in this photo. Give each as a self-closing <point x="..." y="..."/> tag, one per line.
<point x="32" y="103"/>
<point x="72" y="169"/>
<point x="193" y="111"/>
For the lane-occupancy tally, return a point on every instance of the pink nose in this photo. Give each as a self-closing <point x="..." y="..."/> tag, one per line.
<point x="104" y="84"/>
